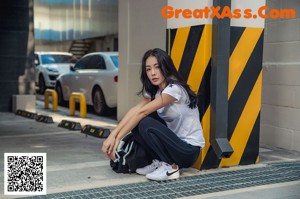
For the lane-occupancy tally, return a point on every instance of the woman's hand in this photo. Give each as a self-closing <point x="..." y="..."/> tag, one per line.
<point x="109" y="146"/>
<point x="112" y="155"/>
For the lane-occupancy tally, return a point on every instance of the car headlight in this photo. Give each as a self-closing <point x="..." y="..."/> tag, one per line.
<point x="53" y="70"/>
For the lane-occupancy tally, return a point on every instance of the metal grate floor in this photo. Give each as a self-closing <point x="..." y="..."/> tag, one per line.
<point x="193" y="185"/>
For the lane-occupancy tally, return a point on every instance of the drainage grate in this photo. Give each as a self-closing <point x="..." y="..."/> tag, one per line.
<point x="193" y="185"/>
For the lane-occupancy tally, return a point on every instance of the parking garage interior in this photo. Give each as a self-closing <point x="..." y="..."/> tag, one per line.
<point x="131" y="27"/>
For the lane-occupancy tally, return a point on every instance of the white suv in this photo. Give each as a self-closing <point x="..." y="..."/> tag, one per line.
<point x="49" y="65"/>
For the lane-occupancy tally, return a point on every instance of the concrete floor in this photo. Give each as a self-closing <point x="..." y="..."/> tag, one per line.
<point x="74" y="161"/>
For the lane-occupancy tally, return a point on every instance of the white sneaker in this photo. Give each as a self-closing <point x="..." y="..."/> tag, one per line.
<point x="164" y="172"/>
<point x="149" y="168"/>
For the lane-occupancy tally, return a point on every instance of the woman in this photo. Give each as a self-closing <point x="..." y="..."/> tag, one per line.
<point x="174" y="145"/>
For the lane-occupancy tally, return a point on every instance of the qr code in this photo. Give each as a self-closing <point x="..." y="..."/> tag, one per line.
<point x="24" y="173"/>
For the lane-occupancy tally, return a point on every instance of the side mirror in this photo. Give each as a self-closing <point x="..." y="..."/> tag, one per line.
<point x="72" y="68"/>
<point x="36" y="62"/>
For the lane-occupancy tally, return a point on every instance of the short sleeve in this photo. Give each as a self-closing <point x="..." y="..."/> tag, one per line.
<point x="173" y="90"/>
<point x="146" y="95"/>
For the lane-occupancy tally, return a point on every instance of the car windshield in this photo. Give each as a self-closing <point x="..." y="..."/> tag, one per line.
<point x="115" y="60"/>
<point x="57" y="59"/>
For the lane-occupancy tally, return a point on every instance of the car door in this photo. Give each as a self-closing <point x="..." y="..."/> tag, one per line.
<point x="86" y="78"/>
<point x="71" y="80"/>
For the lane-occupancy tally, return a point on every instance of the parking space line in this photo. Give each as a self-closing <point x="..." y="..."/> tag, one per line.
<point x="37" y="134"/>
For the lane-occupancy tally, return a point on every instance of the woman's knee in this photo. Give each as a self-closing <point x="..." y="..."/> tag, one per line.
<point x="140" y="128"/>
<point x="145" y="123"/>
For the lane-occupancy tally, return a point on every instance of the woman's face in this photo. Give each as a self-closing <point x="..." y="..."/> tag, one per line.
<point x="154" y="72"/>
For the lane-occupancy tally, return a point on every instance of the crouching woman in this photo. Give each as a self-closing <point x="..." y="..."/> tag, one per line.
<point x="174" y="143"/>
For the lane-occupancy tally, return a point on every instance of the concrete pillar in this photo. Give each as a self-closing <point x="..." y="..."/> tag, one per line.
<point x="141" y="27"/>
<point x="17" y="51"/>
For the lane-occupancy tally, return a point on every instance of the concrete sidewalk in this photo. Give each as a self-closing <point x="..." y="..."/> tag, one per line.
<point x="74" y="161"/>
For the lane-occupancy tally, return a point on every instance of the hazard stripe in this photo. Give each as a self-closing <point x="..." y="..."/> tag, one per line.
<point x="239" y="37"/>
<point x="197" y="52"/>
<point x="169" y="43"/>
<point x="241" y="54"/>
<point x="190" y="50"/>
<point x="206" y="129"/>
<point x="244" y="85"/>
<point x="194" y="66"/>
<point x="235" y="36"/>
<point x="201" y="59"/>
<point x="170" y="35"/>
<point x="251" y="152"/>
<point x="204" y="91"/>
<point x="245" y="125"/>
<point x="204" y="111"/>
<point x="210" y="159"/>
<point x="199" y="81"/>
<point x="257" y="160"/>
<point x="178" y="46"/>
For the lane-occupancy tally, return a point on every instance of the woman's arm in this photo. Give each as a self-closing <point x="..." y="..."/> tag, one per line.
<point x="128" y="116"/>
<point x="109" y="143"/>
<point x="137" y="116"/>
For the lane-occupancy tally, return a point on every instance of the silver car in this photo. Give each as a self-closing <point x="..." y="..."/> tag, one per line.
<point x="49" y="65"/>
<point x="96" y="76"/>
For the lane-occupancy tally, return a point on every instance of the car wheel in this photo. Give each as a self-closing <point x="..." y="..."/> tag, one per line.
<point x="60" y="96"/>
<point x="42" y="85"/>
<point x="99" y="103"/>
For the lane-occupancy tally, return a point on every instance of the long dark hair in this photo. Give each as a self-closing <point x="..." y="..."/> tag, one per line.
<point x="170" y="73"/>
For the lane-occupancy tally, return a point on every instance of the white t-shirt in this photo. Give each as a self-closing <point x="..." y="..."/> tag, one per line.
<point x="182" y="120"/>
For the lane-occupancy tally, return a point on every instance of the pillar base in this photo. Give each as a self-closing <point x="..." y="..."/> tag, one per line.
<point x="23" y="102"/>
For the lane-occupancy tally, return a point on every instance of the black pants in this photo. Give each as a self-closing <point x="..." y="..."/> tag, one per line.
<point x="162" y="144"/>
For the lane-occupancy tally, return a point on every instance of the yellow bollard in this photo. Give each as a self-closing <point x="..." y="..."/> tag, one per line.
<point x="82" y="102"/>
<point x="54" y="99"/>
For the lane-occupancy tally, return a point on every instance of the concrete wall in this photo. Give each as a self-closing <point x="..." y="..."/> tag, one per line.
<point x="141" y="27"/>
<point x="280" y="114"/>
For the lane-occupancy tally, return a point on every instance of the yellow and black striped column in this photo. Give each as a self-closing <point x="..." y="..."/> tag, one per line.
<point x="190" y="48"/>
